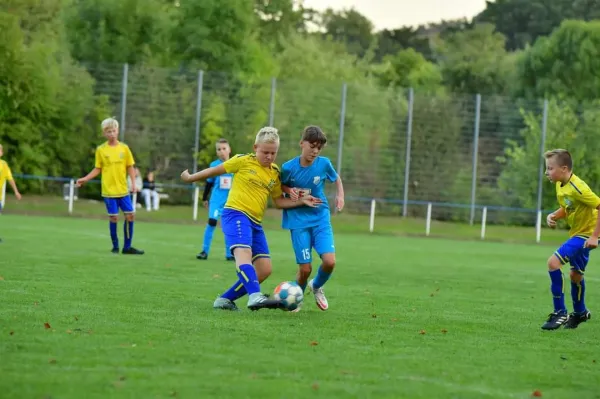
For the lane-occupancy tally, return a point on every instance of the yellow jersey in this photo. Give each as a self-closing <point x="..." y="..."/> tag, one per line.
<point x="114" y="161"/>
<point x="579" y="203"/>
<point x="5" y="175"/>
<point x="252" y="185"/>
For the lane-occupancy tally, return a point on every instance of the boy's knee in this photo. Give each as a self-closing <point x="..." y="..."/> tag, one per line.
<point x="328" y="262"/>
<point x="130" y="217"/>
<point x="305" y="270"/>
<point x="113" y="219"/>
<point x="554" y="263"/>
<point x="576" y="276"/>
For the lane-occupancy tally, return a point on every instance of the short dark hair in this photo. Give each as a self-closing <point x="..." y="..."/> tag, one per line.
<point x="222" y="141"/>
<point x="563" y="157"/>
<point x="314" y="135"/>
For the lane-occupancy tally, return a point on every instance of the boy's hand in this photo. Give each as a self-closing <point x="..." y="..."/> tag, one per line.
<point x="80" y="182"/>
<point x="551" y="222"/>
<point x="185" y="176"/>
<point x="339" y="202"/>
<point x="294" y="194"/>
<point x="205" y="204"/>
<point x="591" y="243"/>
<point x="18" y="195"/>
<point x="311" y="201"/>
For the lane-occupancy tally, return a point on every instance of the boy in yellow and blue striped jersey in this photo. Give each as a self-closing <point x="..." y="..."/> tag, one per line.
<point x="579" y="205"/>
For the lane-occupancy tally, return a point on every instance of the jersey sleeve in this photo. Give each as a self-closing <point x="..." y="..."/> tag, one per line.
<point x="129" y="161"/>
<point x="9" y="175"/>
<point x="276" y="191"/>
<point x="285" y="174"/>
<point x="587" y="196"/>
<point x="233" y="165"/>
<point x="98" y="163"/>
<point x="330" y="172"/>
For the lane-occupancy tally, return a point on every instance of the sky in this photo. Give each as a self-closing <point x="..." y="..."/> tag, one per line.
<point x="391" y="14"/>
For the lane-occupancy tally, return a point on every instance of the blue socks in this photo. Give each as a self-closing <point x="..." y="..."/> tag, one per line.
<point x="113" y="234"/>
<point x="247" y="276"/>
<point x="235" y="292"/>
<point x="557" y="289"/>
<point x="321" y="279"/>
<point x="578" y="294"/>
<point x="128" y="231"/>
<point x="208" y="236"/>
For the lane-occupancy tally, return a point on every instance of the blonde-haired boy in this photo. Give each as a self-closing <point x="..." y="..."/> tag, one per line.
<point x="579" y="205"/>
<point x="115" y="161"/>
<point x="6" y="176"/>
<point x="256" y="178"/>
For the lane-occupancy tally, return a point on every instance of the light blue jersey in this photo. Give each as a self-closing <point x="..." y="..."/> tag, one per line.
<point x="220" y="189"/>
<point x="311" y="179"/>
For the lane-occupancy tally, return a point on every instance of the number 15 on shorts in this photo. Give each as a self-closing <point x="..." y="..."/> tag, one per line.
<point x="306" y="253"/>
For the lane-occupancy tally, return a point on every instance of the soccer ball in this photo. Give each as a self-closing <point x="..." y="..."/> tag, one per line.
<point x="290" y="294"/>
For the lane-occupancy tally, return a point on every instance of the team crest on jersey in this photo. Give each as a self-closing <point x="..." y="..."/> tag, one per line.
<point x="271" y="184"/>
<point x="568" y="202"/>
<point x="316" y="180"/>
<point x="122" y="155"/>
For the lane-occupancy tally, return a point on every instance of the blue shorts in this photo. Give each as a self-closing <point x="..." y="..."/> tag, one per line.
<point x="573" y="252"/>
<point x="318" y="237"/>
<point x="114" y="204"/>
<point x="215" y="211"/>
<point x="241" y="232"/>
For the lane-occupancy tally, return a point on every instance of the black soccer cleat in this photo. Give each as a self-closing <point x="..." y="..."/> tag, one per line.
<point x="555" y="320"/>
<point x="263" y="301"/>
<point x="230" y="259"/>
<point x="575" y="319"/>
<point x="132" y="251"/>
<point x="202" y="256"/>
<point x="115" y="250"/>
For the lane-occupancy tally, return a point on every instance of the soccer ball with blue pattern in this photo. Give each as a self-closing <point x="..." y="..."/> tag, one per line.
<point x="290" y="294"/>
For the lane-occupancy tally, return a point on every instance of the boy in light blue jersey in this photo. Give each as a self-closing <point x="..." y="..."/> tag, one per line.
<point x="218" y="187"/>
<point x="311" y="227"/>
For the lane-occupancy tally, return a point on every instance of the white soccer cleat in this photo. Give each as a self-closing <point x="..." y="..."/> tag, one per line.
<point x="319" y="296"/>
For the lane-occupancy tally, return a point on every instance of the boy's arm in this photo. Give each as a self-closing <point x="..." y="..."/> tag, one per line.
<point x="15" y="189"/>
<point x="288" y="203"/>
<point x="292" y="192"/>
<point x="203" y="174"/>
<point x="592" y="242"/>
<point x="339" y="196"/>
<point x="94" y="173"/>
<point x="131" y="173"/>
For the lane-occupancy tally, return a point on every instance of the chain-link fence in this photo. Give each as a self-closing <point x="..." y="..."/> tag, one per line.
<point x="404" y="148"/>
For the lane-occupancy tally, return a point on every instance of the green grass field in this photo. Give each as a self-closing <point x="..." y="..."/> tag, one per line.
<point x="410" y="317"/>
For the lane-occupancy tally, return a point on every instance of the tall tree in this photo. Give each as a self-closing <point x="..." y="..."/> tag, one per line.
<point x="565" y="64"/>
<point x="349" y="27"/>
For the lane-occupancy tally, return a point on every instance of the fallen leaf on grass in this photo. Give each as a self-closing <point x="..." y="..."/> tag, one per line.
<point x="593" y="361"/>
<point x="122" y="378"/>
<point x="69" y="332"/>
<point x="36" y="303"/>
<point x="314" y="343"/>
<point x="216" y="276"/>
<point x="422" y="332"/>
<point x="394" y="319"/>
<point x="1" y="278"/>
<point x="13" y="333"/>
<point x="537" y="393"/>
<point x="76" y="318"/>
<point x="444" y="331"/>
<point x="563" y="358"/>
<point x="374" y="316"/>
<point x="52" y="361"/>
<point x="315" y="386"/>
<point x="173" y="394"/>
<point x="47" y="325"/>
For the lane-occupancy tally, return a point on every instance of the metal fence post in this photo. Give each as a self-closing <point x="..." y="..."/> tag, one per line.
<point x="341" y="134"/>
<point x="541" y="172"/>
<point x="198" y="119"/>
<point x="124" y="100"/>
<point x="272" y="101"/>
<point x="411" y="101"/>
<point x="475" y="151"/>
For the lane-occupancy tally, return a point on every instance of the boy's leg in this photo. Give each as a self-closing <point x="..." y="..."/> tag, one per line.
<point x="127" y="207"/>
<point x="146" y="195"/>
<point x="242" y="236"/>
<point x="155" y="200"/>
<point x="301" y="242"/>
<point x="555" y="263"/>
<point x="112" y="208"/>
<point x="209" y="231"/>
<point x="580" y="313"/>
<point x="325" y="247"/>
